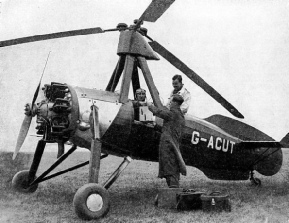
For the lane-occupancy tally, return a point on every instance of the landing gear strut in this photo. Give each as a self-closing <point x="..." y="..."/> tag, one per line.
<point x="91" y="201"/>
<point x="254" y="180"/>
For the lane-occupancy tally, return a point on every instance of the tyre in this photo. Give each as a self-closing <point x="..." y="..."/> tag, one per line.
<point x="91" y="201"/>
<point x="20" y="182"/>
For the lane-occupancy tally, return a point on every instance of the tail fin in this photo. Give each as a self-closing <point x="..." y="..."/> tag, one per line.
<point x="238" y="129"/>
<point x="285" y="141"/>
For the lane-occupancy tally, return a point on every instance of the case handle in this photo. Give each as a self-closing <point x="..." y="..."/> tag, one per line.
<point x="214" y="193"/>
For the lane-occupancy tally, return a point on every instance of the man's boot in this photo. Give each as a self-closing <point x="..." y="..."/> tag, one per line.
<point x="173" y="181"/>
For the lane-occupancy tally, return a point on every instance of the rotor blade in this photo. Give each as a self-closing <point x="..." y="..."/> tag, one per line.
<point x="155" y="10"/>
<point x="194" y="77"/>
<point x="22" y="134"/>
<point x="50" y="36"/>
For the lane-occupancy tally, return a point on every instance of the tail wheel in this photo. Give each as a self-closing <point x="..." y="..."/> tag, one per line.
<point x="91" y="201"/>
<point x="20" y="182"/>
<point x="255" y="182"/>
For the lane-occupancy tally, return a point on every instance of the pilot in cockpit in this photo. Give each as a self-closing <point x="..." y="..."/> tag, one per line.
<point x="140" y="97"/>
<point x="141" y="112"/>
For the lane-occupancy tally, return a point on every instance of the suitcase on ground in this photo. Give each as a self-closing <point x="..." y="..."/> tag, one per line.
<point x="216" y="202"/>
<point x="166" y="197"/>
<point x="189" y="200"/>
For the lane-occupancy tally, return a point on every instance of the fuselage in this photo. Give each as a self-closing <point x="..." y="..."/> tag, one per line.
<point x="203" y="145"/>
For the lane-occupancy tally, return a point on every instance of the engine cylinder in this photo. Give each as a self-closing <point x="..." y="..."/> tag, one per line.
<point x="53" y="112"/>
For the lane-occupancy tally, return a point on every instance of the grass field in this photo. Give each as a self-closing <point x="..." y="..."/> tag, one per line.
<point x="132" y="195"/>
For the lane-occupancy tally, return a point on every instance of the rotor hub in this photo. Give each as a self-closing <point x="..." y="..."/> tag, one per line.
<point x="143" y="31"/>
<point x="137" y="21"/>
<point x="121" y="26"/>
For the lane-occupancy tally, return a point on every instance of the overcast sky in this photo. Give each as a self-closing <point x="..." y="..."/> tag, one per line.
<point x="241" y="48"/>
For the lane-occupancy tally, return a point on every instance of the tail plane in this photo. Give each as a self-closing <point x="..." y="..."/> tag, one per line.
<point x="285" y="141"/>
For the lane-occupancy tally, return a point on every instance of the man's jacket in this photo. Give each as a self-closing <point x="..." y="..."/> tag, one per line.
<point x="187" y="99"/>
<point x="170" y="158"/>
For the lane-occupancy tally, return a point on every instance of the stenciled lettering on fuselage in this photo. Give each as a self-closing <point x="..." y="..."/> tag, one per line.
<point x="214" y="142"/>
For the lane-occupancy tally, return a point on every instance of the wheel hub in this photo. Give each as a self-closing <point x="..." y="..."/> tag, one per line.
<point x="94" y="202"/>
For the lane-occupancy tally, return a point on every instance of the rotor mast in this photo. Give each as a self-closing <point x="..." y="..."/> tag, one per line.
<point x="133" y="51"/>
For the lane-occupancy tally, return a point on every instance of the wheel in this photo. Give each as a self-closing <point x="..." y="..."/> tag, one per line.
<point x="256" y="182"/>
<point x="20" y="182"/>
<point x="91" y="201"/>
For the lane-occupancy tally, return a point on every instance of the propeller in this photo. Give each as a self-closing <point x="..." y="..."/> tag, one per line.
<point x="22" y="134"/>
<point x="51" y="36"/>
<point x="194" y="77"/>
<point x="29" y="113"/>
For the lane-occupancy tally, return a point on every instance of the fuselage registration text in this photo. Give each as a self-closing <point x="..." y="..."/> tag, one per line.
<point x="217" y="143"/>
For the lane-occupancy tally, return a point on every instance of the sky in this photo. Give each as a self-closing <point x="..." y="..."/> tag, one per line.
<point x="241" y="48"/>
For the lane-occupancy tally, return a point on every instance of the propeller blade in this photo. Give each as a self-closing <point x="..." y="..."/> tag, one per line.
<point x="38" y="87"/>
<point x="50" y="36"/>
<point x="27" y="119"/>
<point x="194" y="77"/>
<point x="22" y="134"/>
<point x="155" y="10"/>
<point x="35" y="95"/>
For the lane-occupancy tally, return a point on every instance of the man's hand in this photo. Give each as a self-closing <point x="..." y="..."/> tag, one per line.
<point x="149" y="104"/>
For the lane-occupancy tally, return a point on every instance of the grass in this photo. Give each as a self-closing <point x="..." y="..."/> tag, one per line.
<point x="132" y="195"/>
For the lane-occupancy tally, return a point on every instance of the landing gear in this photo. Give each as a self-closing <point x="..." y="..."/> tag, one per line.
<point x="91" y="201"/>
<point x="254" y="180"/>
<point x="20" y="182"/>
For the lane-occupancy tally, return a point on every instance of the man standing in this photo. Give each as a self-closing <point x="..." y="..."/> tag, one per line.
<point x="180" y="90"/>
<point x="171" y="163"/>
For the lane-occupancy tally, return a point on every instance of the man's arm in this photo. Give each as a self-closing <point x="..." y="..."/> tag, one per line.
<point x="186" y="104"/>
<point x="163" y="112"/>
<point x="169" y="100"/>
